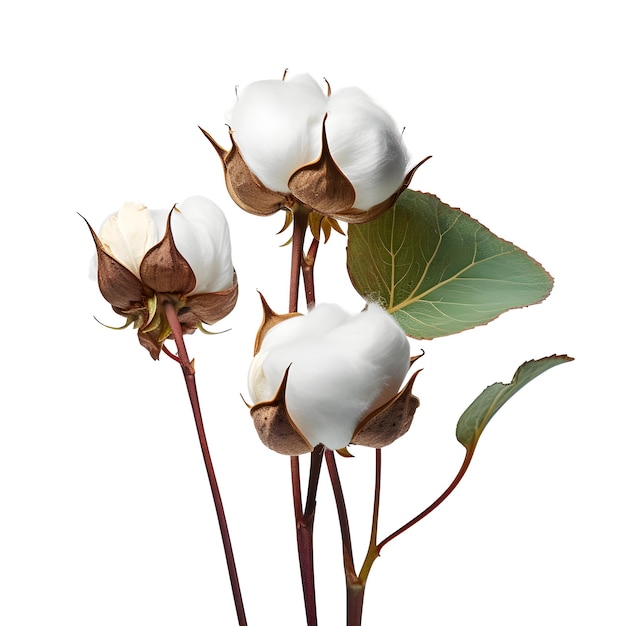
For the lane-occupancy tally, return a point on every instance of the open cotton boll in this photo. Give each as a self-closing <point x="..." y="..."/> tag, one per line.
<point x="341" y="368"/>
<point x="200" y="232"/>
<point x="295" y="147"/>
<point x="273" y="122"/>
<point x="143" y="268"/>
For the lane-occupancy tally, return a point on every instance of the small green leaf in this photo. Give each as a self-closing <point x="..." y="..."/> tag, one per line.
<point x="437" y="270"/>
<point x="477" y="415"/>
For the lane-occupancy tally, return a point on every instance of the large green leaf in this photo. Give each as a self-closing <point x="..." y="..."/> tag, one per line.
<point x="477" y="415"/>
<point x="437" y="270"/>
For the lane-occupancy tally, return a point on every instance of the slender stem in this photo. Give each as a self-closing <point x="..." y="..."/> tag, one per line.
<point x="296" y="489"/>
<point x="356" y="596"/>
<point x="169" y="353"/>
<point x="308" y="263"/>
<point x="453" y="485"/>
<point x="304" y="519"/>
<point x="373" y="551"/>
<point x="300" y="222"/>
<point x="304" y="529"/>
<point x="342" y="512"/>
<point x="355" y="587"/>
<point x="314" y="477"/>
<point x="190" y="380"/>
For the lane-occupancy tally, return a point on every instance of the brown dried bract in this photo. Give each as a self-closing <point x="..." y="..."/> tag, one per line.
<point x="209" y="308"/>
<point x="243" y="186"/>
<point x="275" y="427"/>
<point x="164" y="269"/>
<point x="321" y="185"/>
<point x="390" y="421"/>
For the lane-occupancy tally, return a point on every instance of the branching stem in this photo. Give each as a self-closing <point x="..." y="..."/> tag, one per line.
<point x="355" y="584"/>
<point x="304" y="529"/>
<point x="453" y="485"/>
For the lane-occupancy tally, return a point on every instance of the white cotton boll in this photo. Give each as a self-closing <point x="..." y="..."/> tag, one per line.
<point x="367" y="145"/>
<point x="341" y="368"/>
<point x="200" y="232"/>
<point x="129" y="234"/>
<point x="272" y="123"/>
<point x="202" y="237"/>
<point x="277" y="127"/>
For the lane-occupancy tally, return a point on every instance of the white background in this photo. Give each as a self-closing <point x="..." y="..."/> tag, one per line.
<point x="105" y="514"/>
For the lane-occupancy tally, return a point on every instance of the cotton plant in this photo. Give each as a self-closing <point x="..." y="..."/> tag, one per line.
<point x="322" y="380"/>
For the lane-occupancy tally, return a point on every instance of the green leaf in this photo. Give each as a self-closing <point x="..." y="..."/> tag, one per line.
<point x="437" y="270"/>
<point x="473" y="421"/>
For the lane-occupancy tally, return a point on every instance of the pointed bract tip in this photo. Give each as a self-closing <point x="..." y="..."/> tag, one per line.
<point x="220" y="151"/>
<point x="270" y="319"/>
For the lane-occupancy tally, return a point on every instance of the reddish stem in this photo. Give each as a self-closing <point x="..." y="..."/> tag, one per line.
<point x="304" y="529"/>
<point x="304" y="519"/>
<point x="190" y="381"/>
<point x="308" y="264"/>
<point x="169" y="353"/>
<point x="342" y="512"/>
<point x="300" y="223"/>
<point x="453" y="485"/>
<point x="355" y="587"/>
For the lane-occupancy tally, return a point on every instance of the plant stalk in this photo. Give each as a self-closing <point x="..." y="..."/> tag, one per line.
<point x="304" y="518"/>
<point x="308" y="264"/>
<point x="355" y="587"/>
<point x="453" y="485"/>
<point x="190" y="381"/>
<point x="300" y="223"/>
<point x="304" y="529"/>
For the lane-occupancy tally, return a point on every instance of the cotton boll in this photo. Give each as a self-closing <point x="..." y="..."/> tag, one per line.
<point x="279" y="158"/>
<point x="145" y="271"/>
<point x="341" y="368"/>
